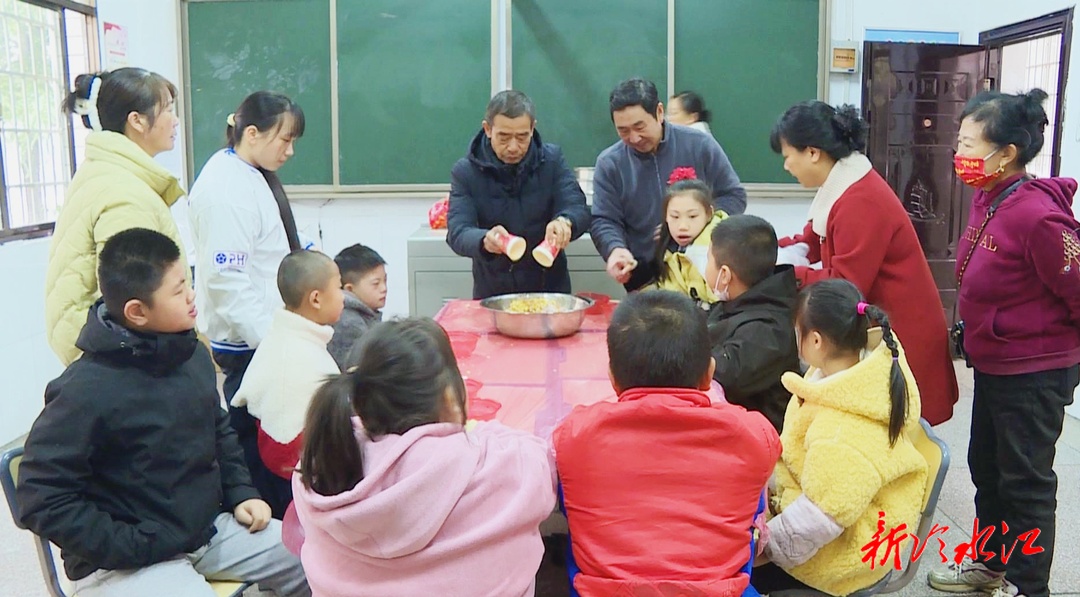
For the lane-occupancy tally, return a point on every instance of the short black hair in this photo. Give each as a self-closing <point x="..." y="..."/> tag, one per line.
<point x="301" y="272"/>
<point x="634" y="92"/>
<point x="132" y="265"/>
<point x="747" y="245"/>
<point x="658" y="339"/>
<point x="511" y="104"/>
<point x="839" y="132"/>
<point x="1018" y="120"/>
<point x="356" y="261"/>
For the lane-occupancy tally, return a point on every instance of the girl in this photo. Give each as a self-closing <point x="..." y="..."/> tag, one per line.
<point x="846" y="453"/>
<point x="118" y="186"/>
<point x="688" y="109"/>
<point x="243" y="228"/>
<point x="401" y="501"/>
<point x="1018" y="272"/>
<point x="685" y="236"/>
<point x="859" y="231"/>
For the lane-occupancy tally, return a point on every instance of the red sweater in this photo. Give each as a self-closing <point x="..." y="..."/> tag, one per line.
<point x="1020" y="296"/>
<point x="870" y="242"/>
<point x="660" y="491"/>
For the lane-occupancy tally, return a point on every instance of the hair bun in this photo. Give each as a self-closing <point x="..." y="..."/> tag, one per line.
<point x="850" y="127"/>
<point x="1032" y="103"/>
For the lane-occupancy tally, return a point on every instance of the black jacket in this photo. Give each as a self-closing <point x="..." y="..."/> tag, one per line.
<point x="133" y="457"/>
<point x="753" y="342"/>
<point x="523" y="198"/>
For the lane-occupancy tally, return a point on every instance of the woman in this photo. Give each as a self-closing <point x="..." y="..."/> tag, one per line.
<point x="118" y="186"/>
<point x="688" y="109"/>
<point x="1018" y="273"/>
<point x="859" y="231"/>
<point x="243" y="228"/>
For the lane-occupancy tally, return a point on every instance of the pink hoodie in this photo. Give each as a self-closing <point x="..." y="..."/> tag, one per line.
<point x="1020" y="295"/>
<point x="439" y="512"/>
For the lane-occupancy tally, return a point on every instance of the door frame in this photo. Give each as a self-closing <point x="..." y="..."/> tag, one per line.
<point x="996" y="39"/>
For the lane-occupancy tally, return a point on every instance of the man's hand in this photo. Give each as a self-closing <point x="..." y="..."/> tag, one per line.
<point x="558" y="233"/>
<point x="254" y="514"/>
<point x="620" y="264"/>
<point x="493" y="240"/>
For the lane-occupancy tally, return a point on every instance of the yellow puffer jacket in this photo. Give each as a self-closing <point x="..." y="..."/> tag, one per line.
<point x="118" y="187"/>
<point x="836" y="451"/>
<point x="683" y="275"/>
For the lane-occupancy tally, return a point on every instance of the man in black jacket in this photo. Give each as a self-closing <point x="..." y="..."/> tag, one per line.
<point x="132" y="468"/>
<point x="512" y="182"/>
<point x="751" y="328"/>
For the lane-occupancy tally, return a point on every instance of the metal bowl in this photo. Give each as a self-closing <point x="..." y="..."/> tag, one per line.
<point x="570" y="312"/>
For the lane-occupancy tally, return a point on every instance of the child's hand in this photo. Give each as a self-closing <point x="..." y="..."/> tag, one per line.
<point x="254" y="514"/>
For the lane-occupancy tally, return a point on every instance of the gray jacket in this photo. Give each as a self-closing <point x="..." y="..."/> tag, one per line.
<point x="355" y="320"/>
<point x="628" y="188"/>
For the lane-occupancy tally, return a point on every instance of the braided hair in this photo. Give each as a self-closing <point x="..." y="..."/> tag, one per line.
<point x="836" y="309"/>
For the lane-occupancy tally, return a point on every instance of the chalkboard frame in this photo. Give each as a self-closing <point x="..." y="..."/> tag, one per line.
<point x="501" y="71"/>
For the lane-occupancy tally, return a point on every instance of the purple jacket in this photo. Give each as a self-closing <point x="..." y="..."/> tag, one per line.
<point x="1020" y="294"/>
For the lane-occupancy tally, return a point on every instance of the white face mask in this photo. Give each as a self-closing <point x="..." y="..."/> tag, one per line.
<point x="721" y="295"/>
<point x="698" y="256"/>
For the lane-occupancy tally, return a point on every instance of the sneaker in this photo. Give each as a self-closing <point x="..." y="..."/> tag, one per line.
<point x="1007" y="589"/>
<point x="967" y="577"/>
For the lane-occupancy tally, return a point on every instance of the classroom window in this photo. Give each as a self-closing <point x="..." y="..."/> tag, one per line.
<point x="43" y="46"/>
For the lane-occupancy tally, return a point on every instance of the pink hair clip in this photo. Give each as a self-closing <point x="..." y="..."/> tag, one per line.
<point x="861" y="307"/>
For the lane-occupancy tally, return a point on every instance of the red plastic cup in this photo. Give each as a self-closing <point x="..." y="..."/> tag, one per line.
<point x="463" y="343"/>
<point x="545" y="254"/>
<point x="472" y="387"/>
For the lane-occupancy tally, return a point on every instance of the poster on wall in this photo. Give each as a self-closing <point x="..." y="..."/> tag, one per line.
<point x="115" y="46"/>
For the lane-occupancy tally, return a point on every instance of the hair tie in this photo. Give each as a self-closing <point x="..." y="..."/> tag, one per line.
<point x="88" y="107"/>
<point x="683" y="173"/>
<point x="861" y="307"/>
<point x="896" y="359"/>
<point x="231" y="120"/>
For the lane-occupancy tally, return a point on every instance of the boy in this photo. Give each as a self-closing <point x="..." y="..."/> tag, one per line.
<point x="661" y="488"/>
<point x="750" y="329"/>
<point x="132" y="468"/>
<point x="289" y="365"/>
<point x="363" y="274"/>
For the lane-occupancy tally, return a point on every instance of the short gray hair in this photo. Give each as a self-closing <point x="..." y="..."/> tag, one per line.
<point x="511" y="104"/>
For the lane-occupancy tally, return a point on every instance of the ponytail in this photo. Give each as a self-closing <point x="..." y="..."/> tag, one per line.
<point x="898" y="390"/>
<point x="836" y="309"/>
<point x="331" y="461"/>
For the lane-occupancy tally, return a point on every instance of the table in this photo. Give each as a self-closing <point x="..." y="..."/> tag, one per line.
<point x="530" y="384"/>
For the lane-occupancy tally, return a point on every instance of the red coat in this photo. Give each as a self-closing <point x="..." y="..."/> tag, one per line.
<point x="870" y="242"/>
<point x="660" y="491"/>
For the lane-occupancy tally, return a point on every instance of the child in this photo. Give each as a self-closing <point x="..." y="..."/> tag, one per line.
<point x="363" y="277"/>
<point x="681" y="250"/>
<point x="750" y="327"/>
<point x="290" y="364"/>
<point x="402" y="501"/>
<point x="661" y="488"/>
<point x="132" y="468"/>
<point x="847" y="456"/>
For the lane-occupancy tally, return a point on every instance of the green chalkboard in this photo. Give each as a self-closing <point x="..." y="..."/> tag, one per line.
<point x="750" y="60"/>
<point x="235" y="48"/>
<point x="414" y="79"/>
<point x="569" y="54"/>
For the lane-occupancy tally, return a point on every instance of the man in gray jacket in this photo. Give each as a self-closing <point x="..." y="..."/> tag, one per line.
<point x="631" y="178"/>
